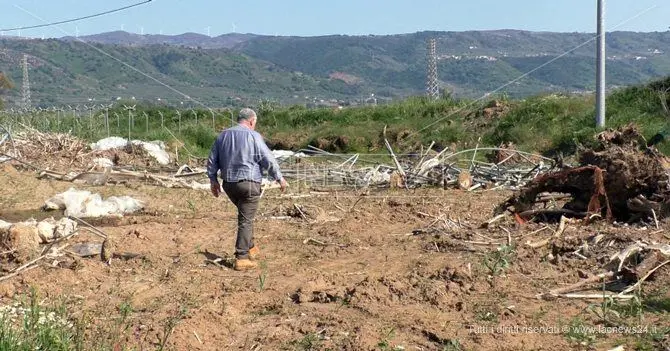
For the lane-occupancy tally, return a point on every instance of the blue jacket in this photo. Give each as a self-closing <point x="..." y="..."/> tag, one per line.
<point x="241" y="154"/>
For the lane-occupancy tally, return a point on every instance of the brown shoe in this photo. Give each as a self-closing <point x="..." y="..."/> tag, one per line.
<point x="254" y="252"/>
<point x="244" y="264"/>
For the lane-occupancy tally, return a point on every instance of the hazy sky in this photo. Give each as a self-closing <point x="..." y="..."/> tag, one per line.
<point x="311" y="18"/>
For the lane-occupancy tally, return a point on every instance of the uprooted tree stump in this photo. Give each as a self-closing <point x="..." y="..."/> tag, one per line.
<point x="620" y="179"/>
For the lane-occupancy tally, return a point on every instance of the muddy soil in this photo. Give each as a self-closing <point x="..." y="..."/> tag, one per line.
<point x="369" y="280"/>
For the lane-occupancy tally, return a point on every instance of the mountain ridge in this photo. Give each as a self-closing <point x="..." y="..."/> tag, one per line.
<point x="330" y="69"/>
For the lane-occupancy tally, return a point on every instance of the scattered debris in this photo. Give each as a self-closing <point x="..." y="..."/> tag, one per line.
<point x="427" y="168"/>
<point x="21" y="244"/>
<point x="627" y="268"/>
<point x="66" y="153"/>
<point x="24" y="238"/>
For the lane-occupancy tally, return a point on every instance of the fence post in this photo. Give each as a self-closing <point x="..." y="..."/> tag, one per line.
<point x="107" y="120"/>
<point x="146" y="121"/>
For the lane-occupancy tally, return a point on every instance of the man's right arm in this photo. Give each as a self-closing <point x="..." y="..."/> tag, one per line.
<point x="213" y="168"/>
<point x="213" y="161"/>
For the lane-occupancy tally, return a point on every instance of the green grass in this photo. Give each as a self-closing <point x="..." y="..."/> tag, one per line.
<point x="310" y="341"/>
<point x="27" y="325"/>
<point x="497" y="261"/>
<point x="645" y="315"/>
<point x="547" y="124"/>
<point x="31" y="323"/>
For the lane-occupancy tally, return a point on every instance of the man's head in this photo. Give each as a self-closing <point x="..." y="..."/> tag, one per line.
<point x="247" y="117"/>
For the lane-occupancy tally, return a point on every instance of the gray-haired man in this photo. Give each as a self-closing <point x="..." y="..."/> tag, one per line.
<point x="241" y="155"/>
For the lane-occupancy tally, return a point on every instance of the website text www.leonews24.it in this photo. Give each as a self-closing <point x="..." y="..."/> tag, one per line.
<point x="563" y="329"/>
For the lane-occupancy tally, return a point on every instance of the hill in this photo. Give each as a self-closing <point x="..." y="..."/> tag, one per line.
<point x="63" y="72"/>
<point x="246" y="67"/>
<point x="193" y="40"/>
<point x="472" y="63"/>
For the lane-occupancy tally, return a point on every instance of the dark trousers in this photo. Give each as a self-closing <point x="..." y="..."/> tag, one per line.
<point x="245" y="196"/>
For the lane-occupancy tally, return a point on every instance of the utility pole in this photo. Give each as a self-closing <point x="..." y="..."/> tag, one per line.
<point x="600" y="67"/>
<point x="432" y="89"/>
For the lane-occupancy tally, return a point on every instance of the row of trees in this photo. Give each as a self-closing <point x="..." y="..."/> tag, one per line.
<point x="5" y="84"/>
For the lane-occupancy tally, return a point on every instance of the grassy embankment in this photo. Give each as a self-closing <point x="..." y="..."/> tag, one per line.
<point x="542" y="124"/>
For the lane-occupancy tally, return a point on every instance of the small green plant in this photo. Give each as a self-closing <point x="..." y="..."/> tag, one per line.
<point x="652" y="340"/>
<point x="121" y="325"/>
<point x="170" y="324"/>
<point x="385" y="341"/>
<point x="345" y="301"/>
<point x="452" y="345"/>
<point x="499" y="260"/>
<point x="262" y="276"/>
<point x="191" y="206"/>
<point x="604" y="311"/>
<point x="486" y="316"/>
<point x="657" y="304"/>
<point x="632" y="308"/>
<point x="578" y="332"/>
<point x="308" y="342"/>
<point x="613" y="312"/>
<point x="125" y="309"/>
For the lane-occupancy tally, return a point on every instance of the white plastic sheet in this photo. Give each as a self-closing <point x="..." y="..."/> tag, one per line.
<point x="284" y="154"/>
<point x="82" y="203"/>
<point x="102" y="162"/>
<point x="154" y="148"/>
<point x="109" y="143"/>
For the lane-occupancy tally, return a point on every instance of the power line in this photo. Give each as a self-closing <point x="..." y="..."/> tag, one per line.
<point x="122" y="62"/>
<point x="76" y="19"/>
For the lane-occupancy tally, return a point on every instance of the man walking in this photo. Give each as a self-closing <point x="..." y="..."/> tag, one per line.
<point x="241" y="155"/>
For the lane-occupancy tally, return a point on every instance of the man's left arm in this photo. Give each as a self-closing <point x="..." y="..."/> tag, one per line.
<point x="267" y="159"/>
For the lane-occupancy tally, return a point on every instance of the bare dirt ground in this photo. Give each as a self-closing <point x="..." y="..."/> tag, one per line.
<point x="367" y="281"/>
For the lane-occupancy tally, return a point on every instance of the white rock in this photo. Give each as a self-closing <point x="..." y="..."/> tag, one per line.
<point x="65" y="227"/>
<point x="4" y="225"/>
<point x="46" y="229"/>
